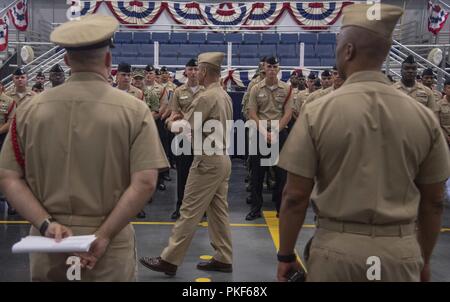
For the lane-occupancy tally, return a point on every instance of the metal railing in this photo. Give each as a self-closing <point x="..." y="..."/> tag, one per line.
<point x="5" y="9"/>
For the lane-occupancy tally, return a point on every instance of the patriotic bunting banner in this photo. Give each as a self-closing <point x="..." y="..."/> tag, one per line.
<point x="187" y="14"/>
<point x="316" y="15"/>
<point x="4" y="33"/>
<point x="253" y="15"/>
<point x="18" y="15"/>
<point x="226" y="14"/>
<point x="437" y="19"/>
<point x="80" y="8"/>
<point x="135" y="12"/>
<point x="89" y="7"/>
<point x="264" y="14"/>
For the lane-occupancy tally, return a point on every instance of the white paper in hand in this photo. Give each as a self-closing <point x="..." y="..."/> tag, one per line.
<point x="39" y="244"/>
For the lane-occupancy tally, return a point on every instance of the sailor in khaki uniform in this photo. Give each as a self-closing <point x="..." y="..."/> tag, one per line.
<point x="166" y="135"/>
<point x="180" y="105"/>
<point x="162" y="93"/>
<point x="261" y="74"/>
<point x="124" y="81"/>
<point x="327" y="79"/>
<point x="428" y="81"/>
<point x="444" y="112"/>
<point x="7" y="109"/>
<point x="337" y="83"/>
<point x="300" y="98"/>
<point x="57" y="76"/>
<point x="207" y="183"/>
<point x="298" y="84"/>
<point x="59" y="179"/>
<point x="20" y="93"/>
<point x="377" y="161"/>
<point x="411" y="87"/>
<point x="270" y="100"/>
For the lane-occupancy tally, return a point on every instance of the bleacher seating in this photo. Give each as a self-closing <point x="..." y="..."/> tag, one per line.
<point x="142" y="37"/>
<point x="160" y="37"/>
<point x="197" y="38"/>
<point x="179" y="38"/>
<point x="247" y="49"/>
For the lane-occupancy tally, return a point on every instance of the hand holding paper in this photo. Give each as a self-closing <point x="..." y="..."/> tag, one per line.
<point x="39" y="244"/>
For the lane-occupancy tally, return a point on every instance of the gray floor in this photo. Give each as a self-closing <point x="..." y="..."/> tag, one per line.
<point x="253" y="247"/>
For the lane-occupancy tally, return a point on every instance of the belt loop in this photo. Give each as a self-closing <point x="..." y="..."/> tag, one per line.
<point x="401" y="230"/>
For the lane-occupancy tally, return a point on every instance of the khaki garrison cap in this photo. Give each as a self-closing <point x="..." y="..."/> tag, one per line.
<point x="213" y="58"/>
<point x="90" y="32"/>
<point x="378" y="18"/>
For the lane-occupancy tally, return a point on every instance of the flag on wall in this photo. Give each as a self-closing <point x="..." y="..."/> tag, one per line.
<point x="4" y="33"/>
<point x="19" y="15"/>
<point x="438" y="17"/>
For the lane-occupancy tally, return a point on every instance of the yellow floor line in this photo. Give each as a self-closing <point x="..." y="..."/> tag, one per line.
<point x="272" y="223"/>
<point x="203" y="223"/>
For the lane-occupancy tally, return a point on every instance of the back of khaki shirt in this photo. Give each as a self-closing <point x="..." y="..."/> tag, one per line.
<point x="81" y="142"/>
<point x="366" y="144"/>
<point x="214" y="104"/>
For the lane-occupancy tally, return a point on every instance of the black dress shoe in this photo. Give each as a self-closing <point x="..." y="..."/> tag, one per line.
<point x="159" y="265"/>
<point x="216" y="266"/>
<point x="162" y="187"/>
<point x="253" y="215"/>
<point x="175" y="215"/>
<point x="141" y="214"/>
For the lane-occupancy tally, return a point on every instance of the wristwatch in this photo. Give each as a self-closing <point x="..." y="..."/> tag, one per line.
<point x="44" y="226"/>
<point x="286" y="258"/>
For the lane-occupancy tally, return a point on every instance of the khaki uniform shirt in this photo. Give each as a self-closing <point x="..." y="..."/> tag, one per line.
<point x="444" y="115"/>
<point x="246" y="96"/>
<point x="136" y="92"/>
<point x="420" y="93"/>
<point x="318" y="94"/>
<point x="19" y="98"/>
<point x="366" y="145"/>
<point x="437" y="95"/>
<point x="182" y="98"/>
<point x="299" y="99"/>
<point x="81" y="142"/>
<point x="7" y="107"/>
<point x="214" y="104"/>
<point x="269" y="104"/>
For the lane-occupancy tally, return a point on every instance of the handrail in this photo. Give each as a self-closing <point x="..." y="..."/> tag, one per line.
<point x="8" y="7"/>
<point x="415" y="54"/>
<point x="36" y="59"/>
<point x="444" y="4"/>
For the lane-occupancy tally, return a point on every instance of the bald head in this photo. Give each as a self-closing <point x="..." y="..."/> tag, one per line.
<point x="359" y="49"/>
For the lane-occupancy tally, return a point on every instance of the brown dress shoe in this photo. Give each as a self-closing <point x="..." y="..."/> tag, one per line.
<point x="214" y="265"/>
<point x="159" y="265"/>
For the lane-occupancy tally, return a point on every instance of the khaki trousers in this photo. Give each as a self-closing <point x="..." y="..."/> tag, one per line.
<point x="206" y="191"/>
<point x="117" y="264"/>
<point x="342" y="257"/>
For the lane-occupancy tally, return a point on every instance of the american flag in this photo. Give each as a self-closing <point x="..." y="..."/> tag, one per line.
<point x="438" y="17"/>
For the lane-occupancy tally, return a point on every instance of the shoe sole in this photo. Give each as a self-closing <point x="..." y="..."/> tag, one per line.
<point x="156" y="270"/>
<point x="222" y="270"/>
